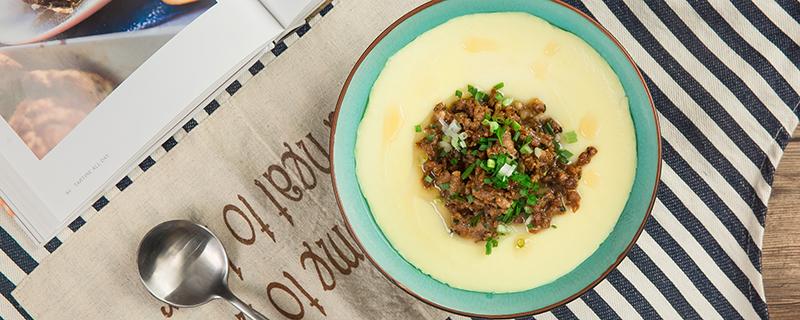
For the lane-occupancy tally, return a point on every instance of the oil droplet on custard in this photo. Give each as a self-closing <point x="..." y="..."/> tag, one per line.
<point x="591" y="178"/>
<point x="391" y="123"/>
<point x="477" y="44"/>
<point x="539" y="69"/>
<point x="588" y="126"/>
<point x="551" y="48"/>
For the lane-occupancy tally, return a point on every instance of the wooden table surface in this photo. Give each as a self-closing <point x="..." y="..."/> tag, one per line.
<point x="781" y="260"/>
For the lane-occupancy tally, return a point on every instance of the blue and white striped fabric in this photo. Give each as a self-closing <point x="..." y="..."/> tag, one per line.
<point x="725" y="78"/>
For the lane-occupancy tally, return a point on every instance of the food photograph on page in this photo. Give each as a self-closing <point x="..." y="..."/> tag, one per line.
<point x="60" y="58"/>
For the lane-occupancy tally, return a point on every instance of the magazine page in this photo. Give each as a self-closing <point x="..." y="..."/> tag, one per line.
<point x="290" y="13"/>
<point x="86" y="85"/>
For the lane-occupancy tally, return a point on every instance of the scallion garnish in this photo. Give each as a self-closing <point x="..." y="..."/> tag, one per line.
<point x="490" y="163"/>
<point x="459" y="94"/>
<point x="474" y="220"/>
<point x="526" y="149"/>
<point x="528" y="210"/>
<point x="569" y="137"/>
<point x="493" y="125"/>
<point x="507" y="102"/>
<point x="468" y="171"/>
<point x="428" y="179"/>
<point x="470" y="198"/>
<point x="549" y="128"/>
<point x="430" y="137"/>
<point x="515" y="125"/>
<point x="499" y="86"/>
<point x="564" y="155"/>
<point x="444" y="186"/>
<point x="500" y="132"/>
<point x="506" y="170"/>
<point x="498" y="96"/>
<point x="480" y="96"/>
<point x="490" y="243"/>
<point x="418" y="128"/>
<point x="472" y="90"/>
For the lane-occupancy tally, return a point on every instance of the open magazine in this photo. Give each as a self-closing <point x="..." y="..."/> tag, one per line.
<point x="89" y="87"/>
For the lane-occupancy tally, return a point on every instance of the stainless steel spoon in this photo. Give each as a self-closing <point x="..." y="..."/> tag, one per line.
<point x="183" y="264"/>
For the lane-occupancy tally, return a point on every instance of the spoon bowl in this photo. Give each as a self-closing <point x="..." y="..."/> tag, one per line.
<point x="183" y="264"/>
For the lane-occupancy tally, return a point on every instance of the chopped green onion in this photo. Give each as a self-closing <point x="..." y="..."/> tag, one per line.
<point x="500" y="133"/>
<point x="564" y="155"/>
<point x="453" y="161"/>
<point x="526" y="149"/>
<point x="570" y="137"/>
<point x="470" y="198"/>
<point x="503" y="229"/>
<point x="506" y="170"/>
<point x="487" y="180"/>
<point x="528" y="140"/>
<point x="530" y="225"/>
<point x="480" y="96"/>
<point x="444" y="186"/>
<point x="549" y="128"/>
<point x="498" y="96"/>
<point x="507" y="102"/>
<point x="532" y="200"/>
<point x="459" y="94"/>
<point x="428" y="179"/>
<point x="468" y="171"/>
<point x="528" y="210"/>
<point x="430" y="137"/>
<point x="516" y="136"/>
<point x="490" y="243"/>
<point x="499" y="86"/>
<point x="493" y="126"/>
<point x="515" y="125"/>
<point x="418" y="128"/>
<point x="474" y="220"/>
<point x="490" y="163"/>
<point x="472" y="90"/>
<point x="509" y="214"/>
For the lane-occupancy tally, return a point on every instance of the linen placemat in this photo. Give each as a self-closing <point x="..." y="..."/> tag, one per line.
<point x="724" y="78"/>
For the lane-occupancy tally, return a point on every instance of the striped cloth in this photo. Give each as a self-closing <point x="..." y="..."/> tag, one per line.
<point x="725" y="79"/>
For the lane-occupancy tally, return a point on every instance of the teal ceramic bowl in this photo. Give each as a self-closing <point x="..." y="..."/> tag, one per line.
<point x="353" y="102"/>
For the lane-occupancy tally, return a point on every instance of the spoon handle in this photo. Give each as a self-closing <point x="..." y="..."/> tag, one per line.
<point x="244" y="308"/>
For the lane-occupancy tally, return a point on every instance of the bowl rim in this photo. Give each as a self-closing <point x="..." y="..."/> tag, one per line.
<point x="611" y="267"/>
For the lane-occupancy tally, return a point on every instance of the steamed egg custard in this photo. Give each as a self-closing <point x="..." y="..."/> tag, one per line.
<point x="534" y="61"/>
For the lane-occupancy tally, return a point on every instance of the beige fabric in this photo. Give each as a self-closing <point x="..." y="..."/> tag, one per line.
<point x="215" y="177"/>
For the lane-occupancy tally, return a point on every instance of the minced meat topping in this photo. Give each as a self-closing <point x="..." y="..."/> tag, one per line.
<point x="497" y="161"/>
